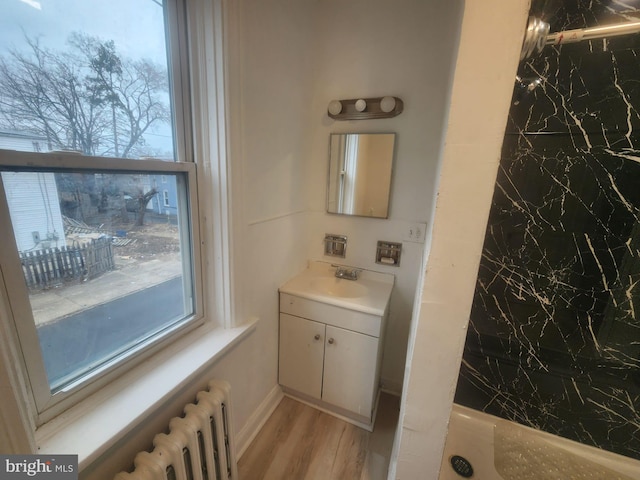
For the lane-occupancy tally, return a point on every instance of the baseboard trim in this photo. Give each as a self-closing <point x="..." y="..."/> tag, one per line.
<point x="357" y="420"/>
<point x="391" y="387"/>
<point x="257" y="420"/>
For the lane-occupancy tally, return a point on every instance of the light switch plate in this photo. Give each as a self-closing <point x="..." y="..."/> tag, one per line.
<point x="415" y="232"/>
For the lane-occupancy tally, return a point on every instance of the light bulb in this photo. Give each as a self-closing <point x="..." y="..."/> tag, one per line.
<point x="335" y="107"/>
<point x="361" y="105"/>
<point x="387" y="104"/>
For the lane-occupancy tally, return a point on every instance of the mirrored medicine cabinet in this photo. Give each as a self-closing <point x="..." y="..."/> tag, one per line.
<point x="360" y="166"/>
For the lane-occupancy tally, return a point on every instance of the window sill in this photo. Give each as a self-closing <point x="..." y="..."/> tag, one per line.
<point x="113" y="411"/>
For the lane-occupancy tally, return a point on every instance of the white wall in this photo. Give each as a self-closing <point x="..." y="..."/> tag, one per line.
<point x="295" y="57"/>
<point x="270" y="88"/>
<point x="490" y="43"/>
<point x="370" y="48"/>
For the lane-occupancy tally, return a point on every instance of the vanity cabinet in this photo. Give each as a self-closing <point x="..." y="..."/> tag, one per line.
<point x="301" y="354"/>
<point x="330" y="356"/>
<point x="349" y="370"/>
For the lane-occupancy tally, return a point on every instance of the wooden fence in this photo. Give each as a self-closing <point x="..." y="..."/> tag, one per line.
<point x="51" y="266"/>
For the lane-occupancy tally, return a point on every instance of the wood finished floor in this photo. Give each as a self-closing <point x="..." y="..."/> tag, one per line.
<point x="299" y="442"/>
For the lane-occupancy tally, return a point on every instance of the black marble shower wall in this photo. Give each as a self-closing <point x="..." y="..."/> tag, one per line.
<point x="554" y="337"/>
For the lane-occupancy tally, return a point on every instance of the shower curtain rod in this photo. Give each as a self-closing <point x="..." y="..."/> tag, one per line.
<point x="537" y="35"/>
<point x="580" y="34"/>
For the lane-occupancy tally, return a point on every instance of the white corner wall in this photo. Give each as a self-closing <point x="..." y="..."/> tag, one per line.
<point x="370" y="48"/>
<point x="270" y="84"/>
<point x="491" y="37"/>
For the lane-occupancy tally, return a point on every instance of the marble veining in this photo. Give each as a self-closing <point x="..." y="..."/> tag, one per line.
<point x="554" y="336"/>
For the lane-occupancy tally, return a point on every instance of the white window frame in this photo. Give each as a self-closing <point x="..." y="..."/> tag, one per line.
<point x="48" y="404"/>
<point x="42" y="407"/>
<point x="165" y="198"/>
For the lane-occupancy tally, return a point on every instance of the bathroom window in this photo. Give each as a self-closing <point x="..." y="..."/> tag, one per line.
<point x="97" y="278"/>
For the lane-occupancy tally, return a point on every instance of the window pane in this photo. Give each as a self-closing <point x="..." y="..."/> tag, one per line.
<point x="85" y="75"/>
<point x="106" y="261"/>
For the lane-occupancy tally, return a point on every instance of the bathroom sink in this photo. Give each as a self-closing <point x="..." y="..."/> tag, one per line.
<point x="370" y="293"/>
<point x="338" y="287"/>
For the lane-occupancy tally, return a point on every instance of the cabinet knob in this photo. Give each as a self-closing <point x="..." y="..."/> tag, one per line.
<point x="317" y="336"/>
<point x="330" y="341"/>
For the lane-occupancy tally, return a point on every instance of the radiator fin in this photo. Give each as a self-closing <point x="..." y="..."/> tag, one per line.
<point x="199" y="445"/>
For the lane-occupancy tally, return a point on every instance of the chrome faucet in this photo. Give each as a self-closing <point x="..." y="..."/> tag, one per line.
<point x="347" y="273"/>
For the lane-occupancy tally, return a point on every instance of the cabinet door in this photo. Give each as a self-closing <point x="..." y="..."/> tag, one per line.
<point x="301" y="353"/>
<point x="349" y="370"/>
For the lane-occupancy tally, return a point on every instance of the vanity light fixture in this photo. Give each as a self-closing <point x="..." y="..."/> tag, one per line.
<point x="365" y="108"/>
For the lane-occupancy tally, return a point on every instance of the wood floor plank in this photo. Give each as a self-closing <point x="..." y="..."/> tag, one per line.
<point x="299" y="442"/>
<point x="327" y="445"/>
<point x="294" y="455"/>
<point x="264" y="449"/>
<point x="352" y="451"/>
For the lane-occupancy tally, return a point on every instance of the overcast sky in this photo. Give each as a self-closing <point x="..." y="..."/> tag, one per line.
<point x="136" y="27"/>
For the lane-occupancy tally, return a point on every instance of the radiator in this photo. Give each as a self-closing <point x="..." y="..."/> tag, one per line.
<point x="199" y="445"/>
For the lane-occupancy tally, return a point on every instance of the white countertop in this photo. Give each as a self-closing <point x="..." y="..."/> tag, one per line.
<point x="370" y="293"/>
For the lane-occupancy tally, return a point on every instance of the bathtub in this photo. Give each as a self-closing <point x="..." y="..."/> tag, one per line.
<point x="491" y="448"/>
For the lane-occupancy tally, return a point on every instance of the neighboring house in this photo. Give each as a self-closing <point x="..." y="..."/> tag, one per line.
<point x="23" y="141"/>
<point x="166" y="201"/>
<point x="32" y="197"/>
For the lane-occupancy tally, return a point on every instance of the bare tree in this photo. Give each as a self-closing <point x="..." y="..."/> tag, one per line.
<point x="143" y="199"/>
<point x="87" y="98"/>
<point x="44" y="93"/>
<point x="106" y="65"/>
<point x="139" y="104"/>
<point x="132" y="89"/>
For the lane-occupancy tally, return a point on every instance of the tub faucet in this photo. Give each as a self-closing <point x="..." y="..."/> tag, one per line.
<point x="347" y="273"/>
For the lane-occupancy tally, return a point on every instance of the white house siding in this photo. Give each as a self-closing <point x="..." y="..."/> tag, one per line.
<point x="32" y="197"/>
<point x="22" y="143"/>
<point x="34" y="207"/>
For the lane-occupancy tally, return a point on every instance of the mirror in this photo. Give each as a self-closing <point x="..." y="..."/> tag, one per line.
<point x="360" y="174"/>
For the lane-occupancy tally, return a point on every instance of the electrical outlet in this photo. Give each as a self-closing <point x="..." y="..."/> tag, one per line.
<point x="415" y="232"/>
